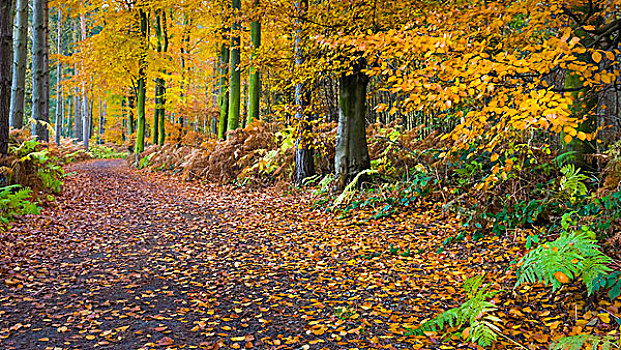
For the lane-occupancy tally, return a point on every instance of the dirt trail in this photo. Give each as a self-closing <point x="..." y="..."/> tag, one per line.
<point x="131" y="260"/>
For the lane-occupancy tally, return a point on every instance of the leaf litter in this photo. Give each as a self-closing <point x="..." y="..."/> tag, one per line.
<point x="135" y="260"/>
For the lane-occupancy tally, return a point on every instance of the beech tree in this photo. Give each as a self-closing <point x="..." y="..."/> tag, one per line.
<point x="235" y="74"/>
<point x="254" y="85"/>
<point x="20" y="59"/>
<point x="40" y="73"/>
<point x="6" y="51"/>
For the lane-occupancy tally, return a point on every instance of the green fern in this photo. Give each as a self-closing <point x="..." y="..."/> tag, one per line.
<point x="575" y="254"/>
<point x="577" y="342"/>
<point x="14" y="202"/>
<point x="572" y="182"/>
<point x="476" y="311"/>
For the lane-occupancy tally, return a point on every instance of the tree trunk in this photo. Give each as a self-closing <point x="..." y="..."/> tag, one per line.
<point x="254" y="89"/>
<point x="235" y="86"/>
<point x="158" y="81"/>
<point x="6" y="51"/>
<point x="77" y="124"/>
<point x="18" y="88"/>
<point x="40" y="77"/>
<point x="141" y="84"/>
<point x="162" y="114"/>
<point x="131" y="105"/>
<point x="160" y="84"/>
<point x="102" y="121"/>
<point x="86" y="116"/>
<point x="352" y="154"/>
<point x="58" y="126"/>
<point x="304" y="163"/>
<point x="224" y="91"/>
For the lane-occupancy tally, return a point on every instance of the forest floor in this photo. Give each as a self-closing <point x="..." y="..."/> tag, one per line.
<point x="126" y="259"/>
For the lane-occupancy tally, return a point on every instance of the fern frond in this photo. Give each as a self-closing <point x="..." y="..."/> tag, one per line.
<point x="577" y="342"/>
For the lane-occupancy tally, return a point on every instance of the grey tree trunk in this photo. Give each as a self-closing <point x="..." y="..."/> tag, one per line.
<point x="20" y="47"/>
<point x="77" y="109"/>
<point x="77" y="115"/>
<point x="6" y="51"/>
<point x="102" y="121"/>
<point x="86" y="125"/>
<point x="58" y="126"/>
<point x="304" y="163"/>
<point x="40" y="76"/>
<point x="254" y="90"/>
<point x="352" y="154"/>
<point x="235" y="77"/>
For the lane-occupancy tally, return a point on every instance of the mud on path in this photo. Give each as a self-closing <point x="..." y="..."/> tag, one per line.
<point x="132" y="260"/>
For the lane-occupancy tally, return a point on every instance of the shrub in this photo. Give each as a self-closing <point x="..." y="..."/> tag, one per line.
<point x="14" y="202"/>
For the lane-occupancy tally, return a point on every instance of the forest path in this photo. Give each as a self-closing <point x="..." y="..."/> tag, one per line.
<point x="131" y="260"/>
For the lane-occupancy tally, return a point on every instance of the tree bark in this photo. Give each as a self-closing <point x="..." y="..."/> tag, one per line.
<point x="254" y="89"/>
<point x="40" y="76"/>
<point x="20" y="58"/>
<point x="224" y="91"/>
<point x="162" y="84"/>
<point x="141" y="84"/>
<point x="235" y="77"/>
<point x="102" y="121"/>
<point x="6" y="51"/>
<point x="86" y="115"/>
<point x="77" y="118"/>
<point x="58" y="124"/>
<point x="304" y="163"/>
<point x="352" y="154"/>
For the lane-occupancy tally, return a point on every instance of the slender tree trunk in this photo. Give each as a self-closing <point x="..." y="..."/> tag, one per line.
<point x="18" y="88"/>
<point x="123" y="119"/>
<point x="6" y="53"/>
<point x="254" y="90"/>
<point x="77" y="118"/>
<point x="86" y="116"/>
<point x="162" y="85"/>
<point x="62" y="114"/>
<point x="304" y="164"/>
<point x="235" y="77"/>
<point x="185" y="40"/>
<point x="224" y="91"/>
<point x="40" y="77"/>
<point x="58" y="126"/>
<point x="352" y="154"/>
<point x="159" y="82"/>
<point x="214" y="96"/>
<point x="141" y="84"/>
<point x="102" y="121"/>
<point x="131" y="106"/>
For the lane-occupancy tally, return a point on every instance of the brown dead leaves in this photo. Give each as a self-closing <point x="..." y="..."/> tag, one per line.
<point x="146" y="261"/>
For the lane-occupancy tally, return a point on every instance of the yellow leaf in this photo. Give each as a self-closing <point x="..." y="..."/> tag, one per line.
<point x="90" y="337"/>
<point x="238" y="338"/>
<point x="581" y="135"/>
<point x="605" y="317"/>
<point x="44" y="339"/>
<point x="610" y="55"/>
<point x="494" y="157"/>
<point x="561" y="277"/>
<point x="567" y="138"/>
<point x="597" y="57"/>
<point x="465" y="333"/>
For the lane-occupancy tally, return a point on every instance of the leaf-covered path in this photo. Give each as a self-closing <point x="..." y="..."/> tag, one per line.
<point x="131" y="260"/>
